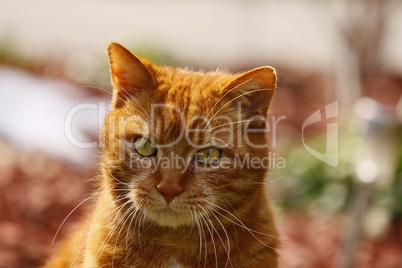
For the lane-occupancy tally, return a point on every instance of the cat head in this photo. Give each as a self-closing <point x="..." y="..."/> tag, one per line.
<point x="179" y="144"/>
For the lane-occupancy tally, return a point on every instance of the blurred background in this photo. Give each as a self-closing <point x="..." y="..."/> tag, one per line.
<point x="336" y="178"/>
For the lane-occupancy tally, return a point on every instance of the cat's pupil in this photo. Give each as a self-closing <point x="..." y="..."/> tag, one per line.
<point x="144" y="147"/>
<point x="207" y="156"/>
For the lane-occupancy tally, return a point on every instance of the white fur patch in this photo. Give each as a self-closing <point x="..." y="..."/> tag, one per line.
<point x="174" y="264"/>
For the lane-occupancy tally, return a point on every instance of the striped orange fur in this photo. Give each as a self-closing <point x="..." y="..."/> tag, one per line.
<point x="167" y="209"/>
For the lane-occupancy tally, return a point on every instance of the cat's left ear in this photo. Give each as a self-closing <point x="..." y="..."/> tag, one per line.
<point x="257" y="86"/>
<point x="129" y="74"/>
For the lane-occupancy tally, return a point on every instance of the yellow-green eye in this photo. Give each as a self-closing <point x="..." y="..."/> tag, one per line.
<point x="144" y="147"/>
<point x="208" y="156"/>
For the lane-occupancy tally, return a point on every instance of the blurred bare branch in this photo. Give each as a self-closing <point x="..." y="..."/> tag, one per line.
<point x="366" y="22"/>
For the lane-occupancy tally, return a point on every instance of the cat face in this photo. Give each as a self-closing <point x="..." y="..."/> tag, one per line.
<point x="179" y="144"/>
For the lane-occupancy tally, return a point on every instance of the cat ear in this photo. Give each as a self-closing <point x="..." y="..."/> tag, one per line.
<point x="257" y="86"/>
<point x="129" y="74"/>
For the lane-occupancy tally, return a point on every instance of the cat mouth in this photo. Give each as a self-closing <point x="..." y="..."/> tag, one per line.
<point x="170" y="216"/>
<point x="168" y="210"/>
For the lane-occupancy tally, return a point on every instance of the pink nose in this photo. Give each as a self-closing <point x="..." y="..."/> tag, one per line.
<point x="169" y="191"/>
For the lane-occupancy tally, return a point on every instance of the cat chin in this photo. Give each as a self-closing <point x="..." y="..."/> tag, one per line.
<point x="168" y="217"/>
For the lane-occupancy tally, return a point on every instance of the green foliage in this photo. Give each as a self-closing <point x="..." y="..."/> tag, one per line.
<point x="394" y="193"/>
<point x="311" y="184"/>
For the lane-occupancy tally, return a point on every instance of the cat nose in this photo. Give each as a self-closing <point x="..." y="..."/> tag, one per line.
<point x="169" y="191"/>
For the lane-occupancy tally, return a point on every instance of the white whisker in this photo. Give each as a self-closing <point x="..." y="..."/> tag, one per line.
<point x="91" y="229"/>
<point x="227" y="249"/>
<point x="207" y="220"/>
<point x="96" y="87"/>
<point x="69" y="214"/>
<point x="241" y="224"/>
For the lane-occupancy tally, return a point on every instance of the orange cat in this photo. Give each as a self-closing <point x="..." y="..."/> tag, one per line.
<point x="183" y="172"/>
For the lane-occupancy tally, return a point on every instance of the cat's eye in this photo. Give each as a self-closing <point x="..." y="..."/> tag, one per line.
<point x="144" y="147"/>
<point x="208" y="156"/>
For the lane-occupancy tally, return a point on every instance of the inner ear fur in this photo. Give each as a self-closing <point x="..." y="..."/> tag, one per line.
<point x="257" y="86"/>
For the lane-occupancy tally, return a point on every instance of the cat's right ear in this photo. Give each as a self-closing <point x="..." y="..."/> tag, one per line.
<point x="257" y="86"/>
<point x="129" y="75"/>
